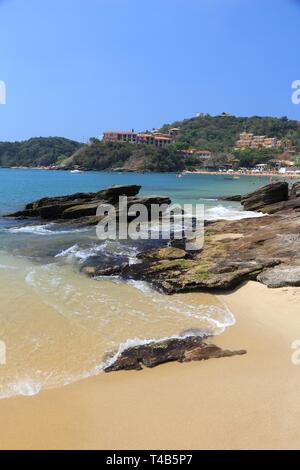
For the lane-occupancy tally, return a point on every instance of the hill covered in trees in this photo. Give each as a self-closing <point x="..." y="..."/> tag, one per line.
<point x="39" y="151"/>
<point x="99" y="155"/>
<point x="220" y="133"/>
<point x="217" y="134"/>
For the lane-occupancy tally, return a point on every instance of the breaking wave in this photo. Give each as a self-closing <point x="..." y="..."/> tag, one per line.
<point x="230" y="213"/>
<point x="109" y="248"/>
<point x="47" y="229"/>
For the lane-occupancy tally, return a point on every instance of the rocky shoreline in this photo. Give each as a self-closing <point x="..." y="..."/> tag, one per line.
<point x="266" y="249"/>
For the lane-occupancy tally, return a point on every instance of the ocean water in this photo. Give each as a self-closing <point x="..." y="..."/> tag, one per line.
<point x="59" y="326"/>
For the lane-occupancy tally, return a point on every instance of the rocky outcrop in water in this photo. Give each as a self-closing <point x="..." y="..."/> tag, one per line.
<point x="266" y="249"/>
<point x="192" y="348"/>
<point x="81" y="208"/>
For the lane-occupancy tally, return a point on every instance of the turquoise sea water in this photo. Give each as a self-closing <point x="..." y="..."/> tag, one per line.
<point x="18" y="186"/>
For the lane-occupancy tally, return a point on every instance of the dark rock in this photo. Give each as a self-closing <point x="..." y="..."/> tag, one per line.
<point x="81" y="208"/>
<point x="236" y="198"/>
<point x="192" y="348"/>
<point x="112" y="194"/>
<point x="281" y="206"/>
<point x="270" y="194"/>
<point x="114" y="270"/>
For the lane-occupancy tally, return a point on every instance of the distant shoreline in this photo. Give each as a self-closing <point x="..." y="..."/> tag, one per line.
<point x="184" y="172"/>
<point x="237" y="173"/>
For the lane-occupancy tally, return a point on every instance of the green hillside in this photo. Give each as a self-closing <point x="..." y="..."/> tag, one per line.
<point x="215" y="133"/>
<point x="100" y="155"/>
<point x="219" y="134"/>
<point x="39" y="151"/>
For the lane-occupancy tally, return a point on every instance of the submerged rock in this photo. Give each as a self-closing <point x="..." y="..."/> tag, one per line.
<point x="53" y="208"/>
<point x="192" y="348"/>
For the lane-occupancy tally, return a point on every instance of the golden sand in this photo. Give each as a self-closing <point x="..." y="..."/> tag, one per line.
<point x="241" y="402"/>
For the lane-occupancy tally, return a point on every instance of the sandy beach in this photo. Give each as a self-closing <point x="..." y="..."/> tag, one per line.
<point x="241" y="402"/>
<point x="266" y="174"/>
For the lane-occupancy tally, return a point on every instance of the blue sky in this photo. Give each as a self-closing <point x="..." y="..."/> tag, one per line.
<point x="74" y="68"/>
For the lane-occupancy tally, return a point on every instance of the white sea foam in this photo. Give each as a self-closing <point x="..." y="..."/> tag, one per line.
<point x="6" y="266"/>
<point x="229" y="213"/>
<point x="42" y="230"/>
<point x="219" y="317"/>
<point x="108" y="247"/>
<point x="28" y="387"/>
<point x="141" y="285"/>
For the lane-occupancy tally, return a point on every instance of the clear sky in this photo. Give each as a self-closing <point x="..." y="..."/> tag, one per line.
<point x="74" y="68"/>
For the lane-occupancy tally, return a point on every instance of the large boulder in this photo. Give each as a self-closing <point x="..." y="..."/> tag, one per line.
<point x="77" y="205"/>
<point x="281" y="276"/>
<point x="80" y="209"/>
<point x="267" y="195"/>
<point x="113" y="193"/>
<point x="191" y="348"/>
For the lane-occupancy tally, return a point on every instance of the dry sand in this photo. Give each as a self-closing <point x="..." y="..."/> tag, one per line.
<point x="241" y="402"/>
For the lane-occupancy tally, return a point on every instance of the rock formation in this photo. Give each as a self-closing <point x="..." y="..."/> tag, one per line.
<point x="265" y="196"/>
<point x="233" y="252"/>
<point x="81" y="208"/>
<point x="191" y="348"/>
<point x="266" y="248"/>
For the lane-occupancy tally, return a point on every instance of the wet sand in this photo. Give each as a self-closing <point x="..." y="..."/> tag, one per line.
<point x="241" y="402"/>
